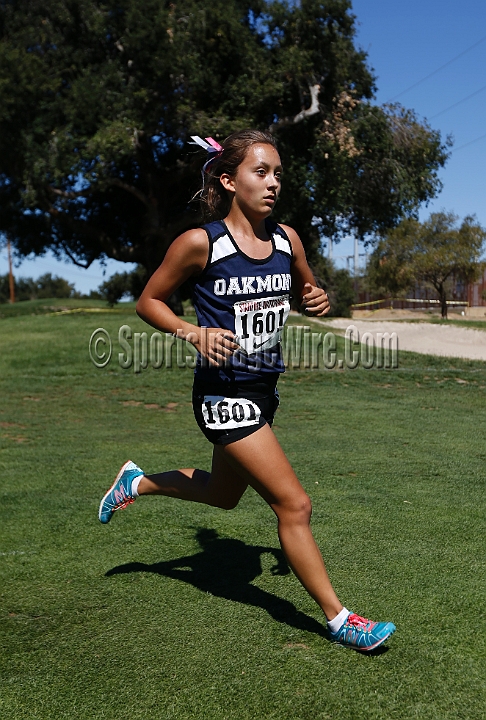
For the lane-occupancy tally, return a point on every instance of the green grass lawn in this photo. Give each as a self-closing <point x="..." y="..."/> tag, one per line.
<point x="177" y="610"/>
<point x="53" y="305"/>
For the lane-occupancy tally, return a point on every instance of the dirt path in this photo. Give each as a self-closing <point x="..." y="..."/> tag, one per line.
<point x="424" y="338"/>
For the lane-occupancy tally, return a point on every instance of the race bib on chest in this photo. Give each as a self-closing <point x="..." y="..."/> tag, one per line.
<point x="259" y="323"/>
<point x="229" y="413"/>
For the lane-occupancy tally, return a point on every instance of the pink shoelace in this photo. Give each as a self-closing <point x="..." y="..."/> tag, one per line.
<point x="124" y="504"/>
<point x="360" y="622"/>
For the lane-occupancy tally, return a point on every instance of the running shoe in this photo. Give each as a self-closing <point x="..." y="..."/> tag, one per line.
<point x="362" y="634"/>
<point x="120" y="493"/>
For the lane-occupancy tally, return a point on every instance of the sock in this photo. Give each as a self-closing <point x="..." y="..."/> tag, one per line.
<point x="338" y="621"/>
<point x="135" y="484"/>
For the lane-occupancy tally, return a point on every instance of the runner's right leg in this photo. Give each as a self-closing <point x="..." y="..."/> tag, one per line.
<point x="260" y="460"/>
<point x="222" y="487"/>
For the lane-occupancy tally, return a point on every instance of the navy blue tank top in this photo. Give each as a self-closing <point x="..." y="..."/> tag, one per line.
<point x="247" y="296"/>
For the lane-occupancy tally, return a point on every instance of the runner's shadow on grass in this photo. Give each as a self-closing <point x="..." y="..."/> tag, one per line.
<point x="226" y="568"/>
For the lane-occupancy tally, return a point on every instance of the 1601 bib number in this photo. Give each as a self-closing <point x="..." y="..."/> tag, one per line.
<point x="259" y="323"/>
<point x="222" y="412"/>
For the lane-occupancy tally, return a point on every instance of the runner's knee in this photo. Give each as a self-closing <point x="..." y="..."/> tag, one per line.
<point x="297" y="509"/>
<point x="227" y="503"/>
<point x="224" y="500"/>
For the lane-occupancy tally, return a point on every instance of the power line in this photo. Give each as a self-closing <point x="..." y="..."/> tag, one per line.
<point x="469" y="143"/>
<point x="458" y="102"/>
<point x="449" y="62"/>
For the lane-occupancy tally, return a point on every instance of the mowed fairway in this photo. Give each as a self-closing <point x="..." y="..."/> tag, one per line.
<point x="176" y="610"/>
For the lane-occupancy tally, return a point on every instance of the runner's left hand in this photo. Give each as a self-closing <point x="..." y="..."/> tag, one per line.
<point x="315" y="301"/>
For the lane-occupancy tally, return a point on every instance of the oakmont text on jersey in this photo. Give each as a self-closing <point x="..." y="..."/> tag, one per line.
<point x="279" y="281"/>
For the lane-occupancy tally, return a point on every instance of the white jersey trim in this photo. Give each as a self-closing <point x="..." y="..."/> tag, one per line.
<point x="282" y="244"/>
<point x="222" y="248"/>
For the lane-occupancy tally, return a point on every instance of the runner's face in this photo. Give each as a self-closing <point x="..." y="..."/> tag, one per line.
<point x="258" y="180"/>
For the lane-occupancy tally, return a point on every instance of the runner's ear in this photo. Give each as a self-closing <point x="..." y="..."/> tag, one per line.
<point x="227" y="182"/>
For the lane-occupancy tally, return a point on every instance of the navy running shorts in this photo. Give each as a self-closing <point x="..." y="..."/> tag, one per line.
<point x="227" y="412"/>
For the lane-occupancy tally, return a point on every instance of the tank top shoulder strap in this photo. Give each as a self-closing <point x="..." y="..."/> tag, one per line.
<point x="280" y="237"/>
<point x="221" y="246"/>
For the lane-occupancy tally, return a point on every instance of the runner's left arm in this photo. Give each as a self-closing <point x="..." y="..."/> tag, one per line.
<point x="313" y="299"/>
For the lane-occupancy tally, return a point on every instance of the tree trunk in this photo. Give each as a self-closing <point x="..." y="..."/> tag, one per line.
<point x="443" y="303"/>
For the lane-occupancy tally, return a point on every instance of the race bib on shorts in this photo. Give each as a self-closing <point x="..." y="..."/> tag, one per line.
<point x="222" y="413"/>
<point x="259" y="323"/>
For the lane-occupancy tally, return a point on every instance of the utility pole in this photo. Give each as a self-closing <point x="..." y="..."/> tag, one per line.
<point x="330" y="249"/>
<point x="10" y="273"/>
<point x="356" y="257"/>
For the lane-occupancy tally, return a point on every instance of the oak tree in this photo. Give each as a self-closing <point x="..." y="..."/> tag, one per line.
<point x="436" y="252"/>
<point x="98" y="99"/>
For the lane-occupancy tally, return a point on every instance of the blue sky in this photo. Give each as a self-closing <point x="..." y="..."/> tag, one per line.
<point x="405" y="42"/>
<point x="408" y="41"/>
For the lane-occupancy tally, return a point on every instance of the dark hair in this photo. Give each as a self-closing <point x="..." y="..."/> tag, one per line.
<point x="214" y="198"/>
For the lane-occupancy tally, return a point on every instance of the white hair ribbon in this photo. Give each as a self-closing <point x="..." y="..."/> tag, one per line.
<point x="210" y="145"/>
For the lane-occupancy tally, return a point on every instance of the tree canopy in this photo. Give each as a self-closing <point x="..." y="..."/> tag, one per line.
<point x="98" y="100"/>
<point x="435" y="252"/>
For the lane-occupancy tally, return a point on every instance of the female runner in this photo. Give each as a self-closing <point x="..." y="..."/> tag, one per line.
<point x="243" y="266"/>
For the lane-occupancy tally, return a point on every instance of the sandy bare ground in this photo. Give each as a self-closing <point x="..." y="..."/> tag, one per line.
<point x="424" y="337"/>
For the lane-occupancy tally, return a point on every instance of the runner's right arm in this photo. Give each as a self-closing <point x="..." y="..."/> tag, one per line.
<point x="186" y="257"/>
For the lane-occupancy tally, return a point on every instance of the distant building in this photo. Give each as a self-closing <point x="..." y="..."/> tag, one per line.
<point x="476" y="292"/>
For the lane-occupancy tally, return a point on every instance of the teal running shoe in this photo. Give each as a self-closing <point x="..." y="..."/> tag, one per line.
<point x="362" y="634"/>
<point x="120" y="493"/>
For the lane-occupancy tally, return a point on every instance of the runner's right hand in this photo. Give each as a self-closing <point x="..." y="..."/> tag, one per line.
<point x="215" y="344"/>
